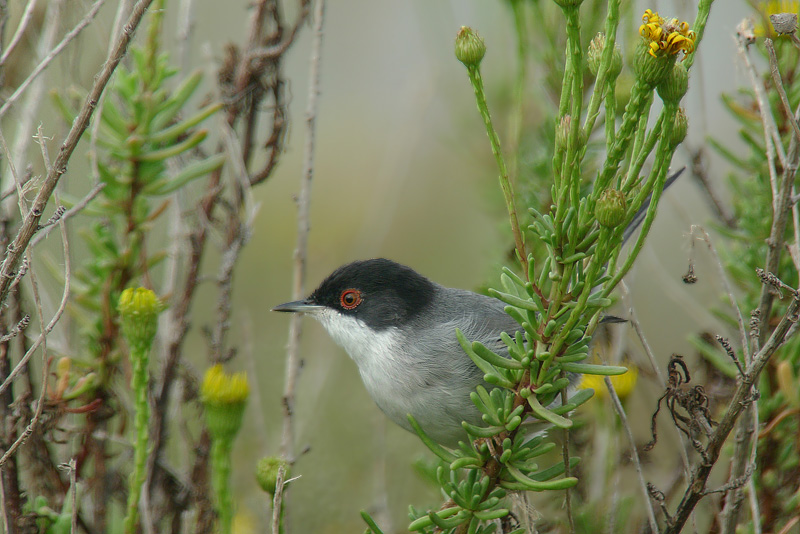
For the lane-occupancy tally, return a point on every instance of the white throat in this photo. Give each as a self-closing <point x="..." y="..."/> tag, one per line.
<point x="365" y="346"/>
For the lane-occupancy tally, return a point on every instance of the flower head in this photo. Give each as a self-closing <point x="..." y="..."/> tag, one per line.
<point x="610" y="208"/>
<point x="222" y="388"/>
<point x="594" y="57"/>
<point x="680" y="128"/>
<point x="139" y="309"/>
<point x="666" y="37"/>
<point x="470" y="48"/>
<point x="224" y="396"/>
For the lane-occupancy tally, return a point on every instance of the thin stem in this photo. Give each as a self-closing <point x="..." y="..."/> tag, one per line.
<point x="615" y="402"/>
<point x="604" y="85"/>
<point x="505" y="184"/>
<point x="303" y="227"/>
<point x="699" y="28"/>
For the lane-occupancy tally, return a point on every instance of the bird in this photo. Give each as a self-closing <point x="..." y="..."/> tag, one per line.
<point x="399" y="328"/>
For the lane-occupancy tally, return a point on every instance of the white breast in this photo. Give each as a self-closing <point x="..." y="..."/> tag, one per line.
<point x="397" y="386"/>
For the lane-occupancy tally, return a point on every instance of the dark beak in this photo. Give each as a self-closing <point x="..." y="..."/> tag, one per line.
<point x="298" y="306"/>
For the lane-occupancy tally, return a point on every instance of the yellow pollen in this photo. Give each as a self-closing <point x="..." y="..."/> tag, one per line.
<point x="666" y="36"/>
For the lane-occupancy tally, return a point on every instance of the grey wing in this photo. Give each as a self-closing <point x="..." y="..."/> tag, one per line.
<point x="480" y="318"/>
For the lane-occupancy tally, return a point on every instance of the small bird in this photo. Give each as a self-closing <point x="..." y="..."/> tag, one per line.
<point x="400" y="329"/>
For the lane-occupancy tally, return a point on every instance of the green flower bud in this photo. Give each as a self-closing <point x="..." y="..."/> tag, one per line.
<point x="225" y="398"/>
<point x="470" y="48"/>
<point x="562" y="133"/>
<point x="675" y="84"/>
<point x="651" y="69"/>
<point x="610" y="208"/>
<point x="595" y="57"/>
<point x="139" y="309"/>
<point x="680" y="128"/>
<point x="267" y="472"/>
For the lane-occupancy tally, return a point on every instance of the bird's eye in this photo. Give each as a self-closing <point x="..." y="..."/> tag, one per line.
<point x="350" y="298"/>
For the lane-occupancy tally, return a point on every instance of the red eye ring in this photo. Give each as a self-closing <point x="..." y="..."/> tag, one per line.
<point x="350" y="298"/>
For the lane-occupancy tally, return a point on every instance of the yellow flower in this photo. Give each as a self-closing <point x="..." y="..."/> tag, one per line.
<point x="224" y="397"/>
<point x="666" y="37"/>
<point x="139" y="309"/>
<point x="221" y="388"/>
<point x="624" y="384"/>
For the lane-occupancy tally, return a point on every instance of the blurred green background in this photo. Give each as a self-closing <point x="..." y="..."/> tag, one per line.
<point x="403" y="170"/>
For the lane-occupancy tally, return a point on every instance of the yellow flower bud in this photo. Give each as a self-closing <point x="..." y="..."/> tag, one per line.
<point x="139" y="309"/>
<point x="225" y="397"/>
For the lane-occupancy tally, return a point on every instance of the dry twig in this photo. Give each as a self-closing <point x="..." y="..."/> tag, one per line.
<point x="303" y="227"/>
<point x="651" y="516"/>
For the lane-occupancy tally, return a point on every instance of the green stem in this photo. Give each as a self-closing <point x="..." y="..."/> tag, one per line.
<point x="636" y="166"/>
<point x="505" y="184"/>
<point x="611" y="113"/>
<point x="139" y="385"/>
<point x="641" y="130"/>
<point x="638" y="105"/>
<point x="699" y="28"/>
<point x="517" y="8"/>
<point x="604" y="87"/>
<point x="572" y="87"/>
<point x="220" y="473"/>
<point x="660" y="168"/>
<point x="579" y="310"/>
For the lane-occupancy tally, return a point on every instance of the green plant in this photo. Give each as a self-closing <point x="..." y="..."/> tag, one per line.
<point x="560" y="292"/>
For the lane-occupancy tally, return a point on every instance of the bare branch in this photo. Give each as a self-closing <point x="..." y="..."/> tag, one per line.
<point x="74" y="210"/>
<point x="41" y="340"/>
<point x="776" y="78"/>
<point x="741" y="398"/>
<point x="277" y="499"/>
<point x="772" y="140"/>
<point x="23" y="24"/>
<point x="303" y="227"/>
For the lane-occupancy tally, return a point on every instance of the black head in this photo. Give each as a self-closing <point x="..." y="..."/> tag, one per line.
<point x="379" y="292"/>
